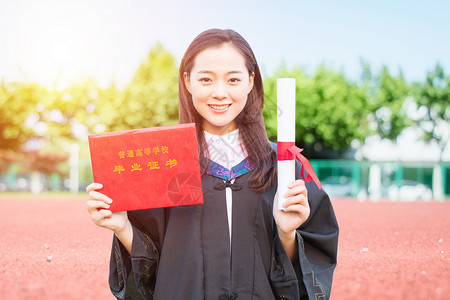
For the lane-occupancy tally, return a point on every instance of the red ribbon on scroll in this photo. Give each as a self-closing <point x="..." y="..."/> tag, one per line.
<point x="288" y="151"/>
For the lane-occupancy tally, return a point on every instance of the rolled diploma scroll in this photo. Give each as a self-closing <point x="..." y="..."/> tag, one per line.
<point x="285" y="133"/>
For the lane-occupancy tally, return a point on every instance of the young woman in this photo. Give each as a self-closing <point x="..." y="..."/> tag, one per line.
<point x="238" y="244"/>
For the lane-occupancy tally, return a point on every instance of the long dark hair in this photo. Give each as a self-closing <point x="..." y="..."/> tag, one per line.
<point x="250" y="121"/>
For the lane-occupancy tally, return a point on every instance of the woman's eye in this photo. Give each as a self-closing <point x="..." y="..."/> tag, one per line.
<point x="234" y="80"/>
<point x="205" y="80"/>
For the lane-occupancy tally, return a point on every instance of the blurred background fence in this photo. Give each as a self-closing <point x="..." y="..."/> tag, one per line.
<point x="364" y="180"/>
<point x="405" y="181"/>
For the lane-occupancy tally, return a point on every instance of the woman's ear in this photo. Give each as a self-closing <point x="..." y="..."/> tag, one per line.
<point x="251" y="82"/>
<point x="187" y="82"/>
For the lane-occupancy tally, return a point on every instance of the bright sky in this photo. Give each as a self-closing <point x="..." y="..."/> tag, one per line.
<point x="62" y="41"/>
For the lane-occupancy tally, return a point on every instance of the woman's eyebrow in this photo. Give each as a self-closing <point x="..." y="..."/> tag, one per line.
<point x="211" y="72"/>
<point x="205" y="72"/>
<point x="234" y="72"/>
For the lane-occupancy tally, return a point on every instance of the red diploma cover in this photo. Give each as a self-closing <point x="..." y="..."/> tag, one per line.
<point x="148" y="168"/>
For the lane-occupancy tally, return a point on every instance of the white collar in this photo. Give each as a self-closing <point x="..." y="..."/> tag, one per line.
<point x="226" y="150"/>
<point x="231" y="139"/>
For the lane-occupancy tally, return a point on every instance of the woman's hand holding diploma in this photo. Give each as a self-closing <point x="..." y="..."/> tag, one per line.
<point x="296" y="212"/>
<point x="118" y="222"/>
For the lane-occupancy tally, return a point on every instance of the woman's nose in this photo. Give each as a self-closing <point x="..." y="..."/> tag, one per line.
<point x="220" y="91"/>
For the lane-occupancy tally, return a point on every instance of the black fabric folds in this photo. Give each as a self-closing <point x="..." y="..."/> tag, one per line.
<point x="186" y="253"/>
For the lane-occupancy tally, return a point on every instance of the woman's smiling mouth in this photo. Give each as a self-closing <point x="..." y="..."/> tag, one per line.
<point x="220" y="107"/>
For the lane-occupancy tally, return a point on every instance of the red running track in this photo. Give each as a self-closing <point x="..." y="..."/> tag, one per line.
<point x="51" y="250"/>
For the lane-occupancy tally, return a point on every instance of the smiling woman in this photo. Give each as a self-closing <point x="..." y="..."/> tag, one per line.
<point x="238" y="243"/>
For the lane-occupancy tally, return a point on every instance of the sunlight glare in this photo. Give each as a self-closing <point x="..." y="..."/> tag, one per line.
<point x="58" y="42"/>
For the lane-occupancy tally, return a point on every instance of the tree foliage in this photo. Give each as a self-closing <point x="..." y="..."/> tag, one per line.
<point x="151" y="98"/>
<point x="17" y="102"/>
<point x="387" y="96"/>
<point x="331" y="110"/>
<point x="433" y="101"/>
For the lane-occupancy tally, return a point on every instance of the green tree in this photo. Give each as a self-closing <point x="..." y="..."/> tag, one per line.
<point x="331" y="110"/>
<point x="17" y="102"/>
<point x="106" y="111"/>
<point x="387" y="95"/>
<point x="151" y="98"/>
<point x="433" y="100"/>
<point x="62" y="118"/>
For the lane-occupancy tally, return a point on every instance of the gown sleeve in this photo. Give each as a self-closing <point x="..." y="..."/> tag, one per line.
<point x="317" y="241"/>
<point x="133" y="276"/>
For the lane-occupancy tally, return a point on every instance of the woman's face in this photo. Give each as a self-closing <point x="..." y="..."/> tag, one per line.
<point x="219" y="84"/>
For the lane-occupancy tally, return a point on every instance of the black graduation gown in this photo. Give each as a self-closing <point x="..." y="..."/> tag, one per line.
<point x="185" y="253"/>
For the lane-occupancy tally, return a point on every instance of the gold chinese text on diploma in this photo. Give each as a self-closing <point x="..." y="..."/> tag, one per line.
<point x="147" y="151"/>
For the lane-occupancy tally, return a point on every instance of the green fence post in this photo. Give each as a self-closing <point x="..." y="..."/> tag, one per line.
<point x="11" y="177"/>
<point x="356" y="178"/>
<point x="421" y="175"/>
<point x="399" y="175"/>
<point x="444" y="179"/>
<point x="55" y="181"/>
